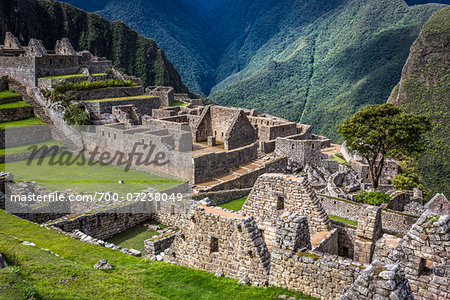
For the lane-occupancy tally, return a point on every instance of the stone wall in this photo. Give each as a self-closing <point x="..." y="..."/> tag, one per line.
<point x="228" y="125"/>
<point x="15" y="114"/>
<point x="157" y="245"/>
<point x="329" y="243"/>
<point x="20" y="68"/>
<point x="49" y="83"/>
<point x="299" y="152"/>
<point x="367" y="233"/>
<point x="221" y="197"/>
<point x="209" y="165"/>
<point x="10" y="99"/>
<point x="248" y="179"/>
<point x="346" y="238"/>
<point x="24" y="135"/>
<point x="165" y="93"/>
<point x="3" y="83"/>
<point x="218" y="241"/>
<point x="240" y="133"/>
<point x="104" y="93"/>
<point x="268" y="133"/>
<point x="380" y="282"/>
<point x="273" y="194"/>
<point x="316" y="274"/>
<point x="56" y="65"/>
<point x="439" y="204"/>
<point x="392" y="221"/>
<point x="108" y="223"/>
<point x="424" y="255"/>
<point x="172" y="213"/>
<point x="174" y="144"/>
<point x="144" y="106"/>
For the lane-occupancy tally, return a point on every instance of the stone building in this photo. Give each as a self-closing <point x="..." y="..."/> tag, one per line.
<point x="274" y="194"/>
<point x="27" y="63"/>
<point x="227" y="125"/>
<point x="226" y="243"/>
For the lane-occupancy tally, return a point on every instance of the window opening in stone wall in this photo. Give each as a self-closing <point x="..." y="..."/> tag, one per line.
<point x="425" y="267"/>
<point x="280" y="203"/>
<point x="214" y="246"/>
<point x="312" y="146"/>
<point x="345" y="251"/>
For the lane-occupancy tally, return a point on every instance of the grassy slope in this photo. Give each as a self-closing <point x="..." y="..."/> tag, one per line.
<point x="29" y="121"/>
<point x="25" y="148"/>
<point x="51" y="20"/>
<point x="8" y="94"/>
<point x="87" y="179"/>
<point x="425" y="89"/>
<point x="235" y="205"/>
<point x="131" y="278"/>
<point x="15" y="105"/>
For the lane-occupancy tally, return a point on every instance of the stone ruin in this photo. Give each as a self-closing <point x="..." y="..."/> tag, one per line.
<point x="28" y="63"/>
<point x="297" y="256"/>
<point x="283" y="235"/>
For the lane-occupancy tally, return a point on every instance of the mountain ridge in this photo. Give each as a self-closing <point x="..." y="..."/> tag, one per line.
<point x="424" y="88"/>
<point x="310" y="61"/>
<point x="50" y="20"/>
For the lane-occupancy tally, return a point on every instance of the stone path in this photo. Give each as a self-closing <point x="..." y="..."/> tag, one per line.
<point x="259" y="162"/>
<point x="221" y="212"/>
<point x="330" y="151"/>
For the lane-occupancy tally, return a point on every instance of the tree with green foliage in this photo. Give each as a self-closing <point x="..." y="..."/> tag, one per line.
<point x="377" y="132"/>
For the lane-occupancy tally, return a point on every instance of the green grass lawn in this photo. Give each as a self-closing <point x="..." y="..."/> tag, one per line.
<point x="134" y="238"/>
<point x="178" y="103"/>
<point x="235" y="205"/>
<point x="338" y="157"/>
<point x="24" y="148"/>
<point x="24" y="122"/>
<point x="343" y="220"/>
<point x="85" y="178"/>
<point x="47" y="276"/>
<point x="14" y="105"/>
<point x="122" y="98"/>
<point x="8" y="94"/>
<point x="64" y="76"/>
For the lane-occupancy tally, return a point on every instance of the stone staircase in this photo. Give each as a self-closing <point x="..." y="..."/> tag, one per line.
<point x="37" y="108"/>
<point x="243" y="170"/>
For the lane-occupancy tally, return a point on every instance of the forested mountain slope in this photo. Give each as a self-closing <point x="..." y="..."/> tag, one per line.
<point x="424" y="88"/>
<point x="312" y="61"/>
<point x="49" y="21"/>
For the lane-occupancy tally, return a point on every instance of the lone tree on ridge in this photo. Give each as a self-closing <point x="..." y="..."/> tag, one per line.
<point x="383" y="131"/>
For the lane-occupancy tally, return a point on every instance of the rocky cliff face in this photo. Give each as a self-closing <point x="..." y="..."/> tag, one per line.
<point x="424" y="88"/>
<point x="50" y="20"/>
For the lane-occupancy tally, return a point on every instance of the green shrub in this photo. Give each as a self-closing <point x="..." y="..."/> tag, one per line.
<point x="76" y="115"/>
<point x="359" y="197"/>
<point x="372" y="198"/>
<point x="109" y="72"/>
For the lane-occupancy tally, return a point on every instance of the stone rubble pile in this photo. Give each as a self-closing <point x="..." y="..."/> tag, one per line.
<point x="88" y="239"/>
